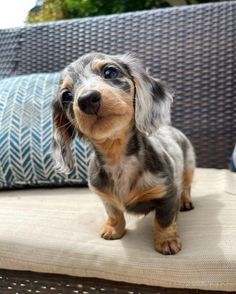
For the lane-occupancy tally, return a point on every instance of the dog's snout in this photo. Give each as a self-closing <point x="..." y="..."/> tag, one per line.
<point x="90" y="102"/>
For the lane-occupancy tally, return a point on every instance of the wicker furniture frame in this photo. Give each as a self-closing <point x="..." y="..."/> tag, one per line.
<point x="192" y="48"/>
<point x="12" y="282"/>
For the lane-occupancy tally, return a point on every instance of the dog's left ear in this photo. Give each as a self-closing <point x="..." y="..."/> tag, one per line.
<point x="153" y="100"/>
<point x="63" y="135"/>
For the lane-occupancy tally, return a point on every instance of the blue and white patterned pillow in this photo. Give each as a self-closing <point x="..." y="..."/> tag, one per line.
<point x="233" y="160"/>
<point x="26" y="135"/>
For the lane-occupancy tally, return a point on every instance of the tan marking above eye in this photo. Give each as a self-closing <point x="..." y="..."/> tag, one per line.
<point x="66" y="84"/>
<point x="98" y="64"/>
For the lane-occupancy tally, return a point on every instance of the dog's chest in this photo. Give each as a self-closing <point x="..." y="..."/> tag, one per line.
<point x="124" y="176"/>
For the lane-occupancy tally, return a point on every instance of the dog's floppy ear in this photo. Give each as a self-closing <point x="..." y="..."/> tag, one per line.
<point x="153" y="99"/>
<point x="63" y="135"/>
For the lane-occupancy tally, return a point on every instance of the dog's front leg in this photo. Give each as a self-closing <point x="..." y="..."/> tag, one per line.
<point x="114" y="228"/>
<point x="167" y="240"/>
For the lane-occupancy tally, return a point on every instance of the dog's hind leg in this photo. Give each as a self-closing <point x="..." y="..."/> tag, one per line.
<point x="185" y="200"/>
<point x="189" y="165"/>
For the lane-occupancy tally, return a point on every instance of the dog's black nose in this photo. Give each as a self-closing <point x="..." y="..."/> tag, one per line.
<point x="90" y="102"/>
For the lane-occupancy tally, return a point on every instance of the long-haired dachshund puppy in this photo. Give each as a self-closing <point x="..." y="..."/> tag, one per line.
<point x="140" y="163"/>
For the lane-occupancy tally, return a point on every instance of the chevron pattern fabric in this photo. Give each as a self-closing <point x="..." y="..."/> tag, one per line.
<point x="26" y="135"/>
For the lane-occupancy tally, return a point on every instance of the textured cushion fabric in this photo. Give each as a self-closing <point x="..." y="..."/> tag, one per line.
<point x="56" y="231"/>
<point x="26" y="134"/>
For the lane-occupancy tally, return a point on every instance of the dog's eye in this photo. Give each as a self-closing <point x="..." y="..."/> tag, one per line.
<point x="110" y="73"/>
<point x="67" y="97"/>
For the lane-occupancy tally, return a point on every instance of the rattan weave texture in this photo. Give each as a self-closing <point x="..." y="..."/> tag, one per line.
<point x="16" y="282"/>
<point x="10" y="47"/>
<point x="191" y="48"/>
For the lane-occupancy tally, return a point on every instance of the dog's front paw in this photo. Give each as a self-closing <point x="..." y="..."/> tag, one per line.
<point x="109" y="232"/>
<point x="168" y="246"/>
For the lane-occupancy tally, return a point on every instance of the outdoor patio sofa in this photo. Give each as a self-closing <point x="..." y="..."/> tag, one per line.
<point x="49" y="241"/>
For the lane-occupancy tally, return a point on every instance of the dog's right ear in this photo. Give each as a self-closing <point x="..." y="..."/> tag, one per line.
<point x="63" y="132"/>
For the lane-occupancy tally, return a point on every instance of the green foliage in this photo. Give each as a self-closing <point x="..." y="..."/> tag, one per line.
<point x="81" y="8"/>
<point x="50" y="10"/>
<point x="75" y="8"/>
<point x="66" y="9"/>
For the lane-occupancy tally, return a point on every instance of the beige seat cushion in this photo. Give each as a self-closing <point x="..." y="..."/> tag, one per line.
<point x="56" y="231"/>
